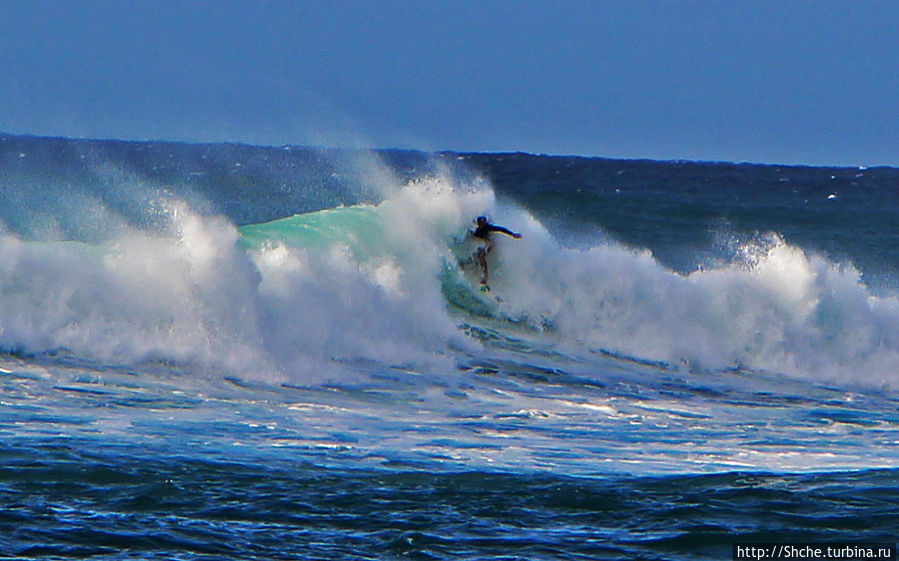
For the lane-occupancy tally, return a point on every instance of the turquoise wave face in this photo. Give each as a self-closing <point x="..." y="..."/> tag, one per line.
<point x="360" y="228"/>
<point x="365" y="232"/>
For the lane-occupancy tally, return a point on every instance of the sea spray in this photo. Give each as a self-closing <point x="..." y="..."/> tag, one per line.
<point x="147" y="268"/>
<point x="186" y="295"/>
<point x="195" y="292"/>
<point x="777" y="308"/>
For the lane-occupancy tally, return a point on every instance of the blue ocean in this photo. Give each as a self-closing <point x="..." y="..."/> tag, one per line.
<point x="222" y="351"/>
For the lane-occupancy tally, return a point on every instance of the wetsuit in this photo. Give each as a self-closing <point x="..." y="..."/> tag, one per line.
<point x="483" y="232"/>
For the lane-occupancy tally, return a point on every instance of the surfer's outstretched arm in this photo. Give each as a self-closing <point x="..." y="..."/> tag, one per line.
<point x="506" y="231"/>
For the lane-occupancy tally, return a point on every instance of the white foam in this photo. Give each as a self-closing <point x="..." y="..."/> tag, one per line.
<point x="779" y="309"/>
<point x="190" y="293"/>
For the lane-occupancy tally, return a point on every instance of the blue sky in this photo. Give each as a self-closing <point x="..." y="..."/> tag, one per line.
<point x="766" y="81"/>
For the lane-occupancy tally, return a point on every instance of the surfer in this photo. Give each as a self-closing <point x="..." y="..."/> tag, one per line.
<point x="482" y="233"/>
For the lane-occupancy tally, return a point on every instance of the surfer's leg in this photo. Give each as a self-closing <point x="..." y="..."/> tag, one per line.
<point x="482" y="259"/>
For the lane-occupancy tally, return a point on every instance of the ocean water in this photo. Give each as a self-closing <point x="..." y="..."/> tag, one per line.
<point x="238" y="352"/>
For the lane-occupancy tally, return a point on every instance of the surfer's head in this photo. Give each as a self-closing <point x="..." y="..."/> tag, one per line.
<point x="481" y="220"/>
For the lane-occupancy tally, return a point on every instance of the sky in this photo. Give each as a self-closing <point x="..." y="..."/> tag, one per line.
<point x="810" y="82"/>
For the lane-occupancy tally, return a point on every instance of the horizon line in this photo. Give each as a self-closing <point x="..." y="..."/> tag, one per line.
<point x="498" y="152"/>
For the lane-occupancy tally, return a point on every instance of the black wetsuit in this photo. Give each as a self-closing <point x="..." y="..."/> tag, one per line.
<point x="483" y="232"/>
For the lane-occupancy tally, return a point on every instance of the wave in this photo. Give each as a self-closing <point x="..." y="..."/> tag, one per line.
<point x="322" y="293"/>
<point x="271" y="299"/>
<point x="771" y="306"/>
<point x="775" y="308"/>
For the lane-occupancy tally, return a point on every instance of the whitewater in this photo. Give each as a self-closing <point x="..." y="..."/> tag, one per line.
<point x="228" y="351"/>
